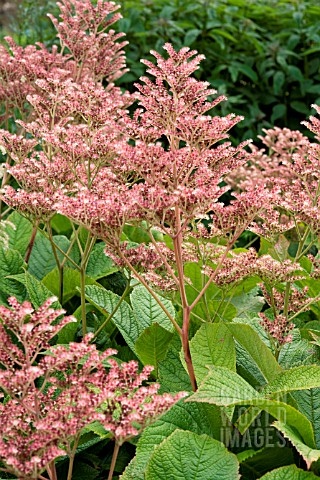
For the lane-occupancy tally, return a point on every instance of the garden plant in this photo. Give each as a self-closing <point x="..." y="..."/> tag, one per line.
<point x="187" y="266"/>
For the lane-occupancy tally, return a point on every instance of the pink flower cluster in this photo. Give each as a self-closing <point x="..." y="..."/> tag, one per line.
<point x="290" y="171"/>
<point x="52" y="393"/>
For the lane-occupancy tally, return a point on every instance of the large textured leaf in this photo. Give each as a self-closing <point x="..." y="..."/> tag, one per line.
<point x="186" y="456"/>
<point x="290" y="472"/>
<point x="257" y="349"/>
<point x="148" y="311"/>
<point x="71" y="282"/>
<point x="298" y="378"/>
<point x="42" y="259"/>
<point x="11" y="264"/>
<point x="212" y="345"/>
<point x="184" y="416"/>
<point x="124" y="318"/>
<point x="152" y="345"/>
<point x="19" y="237"/>
<point x="99" y="265"/>
<point x="309" y="455"/>
<point x="309" y="404"/>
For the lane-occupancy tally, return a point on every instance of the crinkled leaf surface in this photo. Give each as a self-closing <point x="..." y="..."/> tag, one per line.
<point x="148" y="311"/>
<point x="19" y="237"/>
<point x="187" y="456"/>
<point x="42" y="260"/>
<point x="309" y="404"/>
<point x="11" y="264"/>
<point x="184" y="416"/>
<point x="124" y="318"/>
<point x="297" y="378"/>
<point x="99" y="265"/>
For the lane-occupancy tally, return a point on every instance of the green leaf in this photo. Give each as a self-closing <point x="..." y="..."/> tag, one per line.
<point x="300" y="107"/>
<point x="298" y="352"/>
<point x="297" y="378"/>
<point x="191" y="36"/>
<point x="152" y="345"/>
<point x="124" y="318"/>
<point x="248" y="303"/>
<point x="309" y="404"/>
<point x="262" y="461"/>
<point x="71" y="283"/>
<point x="38" y="292"/>
<point x="212" y="345"/>
<point x="20" y="237"/>
<point x="186" y="455"/>
<point x="42" y="260"/>
<point x="61" y="224"/>
<point x="184" y="416"/>
<point x="148" y="311"/>
<point x="278" y="82"/>
<point x="309" y="455"/>
<point x="224" y="387"/>
<point x="222" y="33"/>
<point x="257" y="349"/>
<point x="172" y="374"/>
<point x="11" y="264"/>
<point x="248" y="72"/>
<point x="99" y="265"/>
<point x="291" y="472"/>
<point x="278" y="111"/>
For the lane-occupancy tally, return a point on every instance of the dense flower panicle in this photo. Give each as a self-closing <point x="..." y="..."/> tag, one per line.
<point x="78" y="385"/>
<point x="82" y="30"/>
<point x="246" y="264"/>
<point x="291" y="168"/>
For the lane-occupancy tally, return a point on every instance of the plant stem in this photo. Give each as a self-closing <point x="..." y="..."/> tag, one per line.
<point x="60" y="267"/>
<point x="114" y="459"/>
<point x="177" y="244"/>
<point x="186" y="347"/>
<point x="72" y="456"/>
<point x="52" y="472"/>
<point x="83" y="267"/>
<point x="31" y="243"/>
